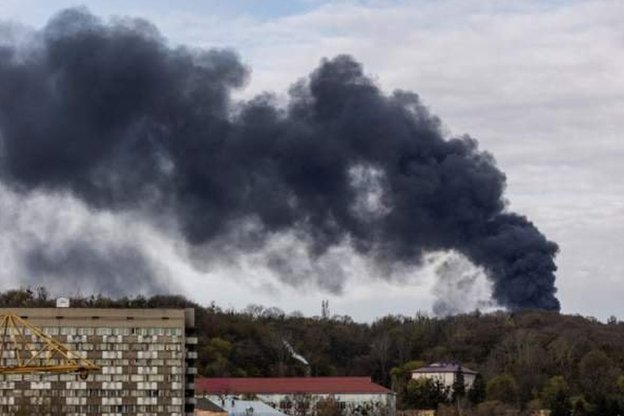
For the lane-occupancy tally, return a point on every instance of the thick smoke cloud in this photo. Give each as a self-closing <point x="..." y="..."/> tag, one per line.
<point x="112" y="114"/>
<point x="95" y="269"/>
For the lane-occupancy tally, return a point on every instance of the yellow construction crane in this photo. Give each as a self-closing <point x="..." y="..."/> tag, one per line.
<point x="26" y="349"/>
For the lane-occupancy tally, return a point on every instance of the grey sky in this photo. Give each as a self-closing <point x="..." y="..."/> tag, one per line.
<point x="539" y="84"/>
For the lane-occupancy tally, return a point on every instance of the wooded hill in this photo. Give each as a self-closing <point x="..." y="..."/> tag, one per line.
<point x="527" y="359"/>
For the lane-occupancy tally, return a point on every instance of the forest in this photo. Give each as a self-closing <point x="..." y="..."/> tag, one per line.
<point x="526" y="359"/>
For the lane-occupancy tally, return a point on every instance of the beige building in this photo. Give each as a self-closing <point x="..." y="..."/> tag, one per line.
<point x="445" y="373"/>
<point x="147" y="359"/>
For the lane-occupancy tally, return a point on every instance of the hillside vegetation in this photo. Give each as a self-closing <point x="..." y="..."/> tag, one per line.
<point x="527" y="359"/>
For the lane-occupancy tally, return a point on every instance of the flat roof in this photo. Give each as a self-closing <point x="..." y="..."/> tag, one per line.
<point x="444" y="368"/>
<point x="96" y="317"/>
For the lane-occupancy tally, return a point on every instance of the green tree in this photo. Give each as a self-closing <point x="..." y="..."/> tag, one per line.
<point x="597" y="375"/>
<point x="400" y="376"/>
<point x="459" y="384"/>
<point x="494" y="408"/>
<point x="620" y="384"/>
<point x="328" y="407"/>
<point x="426" y="393"/>
<point x="476" y="393"/>
<point x="556" y="396"/>
<point x="502" y="388"/>
<point x="580" y="407"/>
<point x="216" y="353"/>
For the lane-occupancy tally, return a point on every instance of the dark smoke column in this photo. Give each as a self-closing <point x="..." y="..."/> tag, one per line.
<point x="112" y="114"/>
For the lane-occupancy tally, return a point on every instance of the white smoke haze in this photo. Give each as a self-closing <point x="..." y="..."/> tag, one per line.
<point x="294" y="354"/>
<point x="54" y="240"/>
<point x="368" y="182"/>
<point x="285" y="259"/>
<point x="87" y="252"/>
<point x="460" y="286"/>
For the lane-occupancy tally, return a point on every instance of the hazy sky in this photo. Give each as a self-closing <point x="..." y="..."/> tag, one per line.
<point x="538" y="83"/>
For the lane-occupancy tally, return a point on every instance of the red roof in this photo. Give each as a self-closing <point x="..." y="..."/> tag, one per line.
<point x="288" y="385"/>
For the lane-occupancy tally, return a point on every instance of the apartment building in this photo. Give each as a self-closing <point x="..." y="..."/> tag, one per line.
<point x="147" y="360"/>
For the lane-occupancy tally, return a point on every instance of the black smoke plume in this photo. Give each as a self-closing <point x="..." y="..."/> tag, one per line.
<point x="111" y="113"/>
<point x="106" y="270"/>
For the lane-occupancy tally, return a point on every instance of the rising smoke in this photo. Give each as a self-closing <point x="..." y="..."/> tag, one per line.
<point x="112" y="114"/>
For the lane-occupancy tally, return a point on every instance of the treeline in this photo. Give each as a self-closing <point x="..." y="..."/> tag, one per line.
<point x="527" y="360"/>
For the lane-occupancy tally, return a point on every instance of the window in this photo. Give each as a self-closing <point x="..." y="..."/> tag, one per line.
<point x="103" y="331"/>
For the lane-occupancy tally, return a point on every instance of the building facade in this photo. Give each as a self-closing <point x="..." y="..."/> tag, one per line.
<point x="301" y="396"/>
<point x="445" y="373"/>
<point x="147" y="360"/>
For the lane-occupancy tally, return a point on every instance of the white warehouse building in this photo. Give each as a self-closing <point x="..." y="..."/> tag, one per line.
<point x="303" y="395"/>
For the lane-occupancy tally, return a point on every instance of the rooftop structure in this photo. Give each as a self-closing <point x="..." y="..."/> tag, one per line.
<point x="205" y="407"/>
<point x="17" y="356"/>
<point x="444" y="368"/>
<point x="236" y="407"/>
